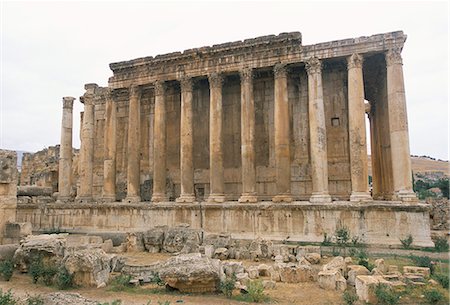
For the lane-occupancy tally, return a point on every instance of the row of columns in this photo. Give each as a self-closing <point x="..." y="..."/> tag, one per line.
<point x="317" y="127"/>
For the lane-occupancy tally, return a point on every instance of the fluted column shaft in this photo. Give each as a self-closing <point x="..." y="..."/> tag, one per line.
<point x="318" y="134"/>
<point x="186" y="143"/>
<point x="357" y="130"/>
<point x="65" y="152"/>
<point x="216" y="172"/>
<point x="398" y="127"/>
<point x="87" y="145"/>
<point x="109" y="163"/>
<point x="159" y="144"/>
<point x="282" y="149"/>
<point x="248" y="137"/>
<point x="133" y="164"/>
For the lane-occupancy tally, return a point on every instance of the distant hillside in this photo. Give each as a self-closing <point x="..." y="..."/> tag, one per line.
<point x="423" y="165"/>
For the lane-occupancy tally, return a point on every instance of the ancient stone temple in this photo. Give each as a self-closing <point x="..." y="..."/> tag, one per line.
<point x="261" y="137"/>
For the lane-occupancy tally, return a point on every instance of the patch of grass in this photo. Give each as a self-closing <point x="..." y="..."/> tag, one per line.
<point x="407" y="242"/>
<point x="120" y="283"/>
<point x="442" y="279"/>
<point x="64" y="280"/>
<point x="423" y="261"/>
<point x="441" y="244"/>
<point x="7" y="298"/>
<point x="434" y="296"/>
<point x="227" y="286"/>
<point x="386" y="296"/>
<point x="6" y="269"/>
<point x="115" y="302"/>
<point x="256" y="291"/>
<point x="35" y="300"/>
<point x="349" y="297"/>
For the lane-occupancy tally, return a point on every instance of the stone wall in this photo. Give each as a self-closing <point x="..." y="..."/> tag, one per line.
<point x="40" y="169"/>
<point x="8" y="188"/>
<point x="375" y="223"/>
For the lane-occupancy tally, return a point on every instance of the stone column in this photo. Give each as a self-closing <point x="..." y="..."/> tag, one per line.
<point x="159" y="144"/>
<point x="318" y="133"/>
<point x="109" y="163"/>
<point x="282" y="149"/>
<point x="398" y="128"/>
<point x="133" y="152"/>
<point x="87" y="145"/>
<point x="65" y="150"/>
<point x="216" y="178"/>
<point x="357" y="130"/>
<point x="248" y="137"/>
<point x="186" y="143"/>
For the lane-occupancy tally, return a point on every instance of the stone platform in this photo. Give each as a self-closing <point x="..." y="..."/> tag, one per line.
<point x="375" y="222"/>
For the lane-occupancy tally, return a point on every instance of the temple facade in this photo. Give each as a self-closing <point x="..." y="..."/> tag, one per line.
<point x="264" y="119"/>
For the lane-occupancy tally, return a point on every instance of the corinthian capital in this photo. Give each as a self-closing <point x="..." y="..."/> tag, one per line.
<point x="246" y="75"/>
<point x="354" y="61"/>
<point x="394" y="56"/>
<point x="160" y="87"/>
<point x="68" y="102"/>
<point x="134" y="91"/>
<point x="186" y="84"/>
<point x="215" y="80"/>
<point x="313" y="65"/>
<point x="279" y="70"/>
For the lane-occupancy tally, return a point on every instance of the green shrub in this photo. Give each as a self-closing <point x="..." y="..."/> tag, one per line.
<point x="441" y="244"/>
<point x="443" y="279"/>
<point x="120" y="283"/>
<point x="349" y="297"/>
<point x="356" y="241"/>
<point x="7" y="298"/>
<point x="64" y="280"/>
<point x="115" y="302"/>
<point x="158" y="281"/>
<point x="362" y="254"/>
<point x="256" y="291"/>
<point x="35" y="300"/>
<point x="326" y="240"/>
<point x="6" y="269"/>
<point x="35" y="269"/>
<point x="342" y="235"/>
<point x="433" y="296"/>
<point x="48" y="274"/>
<point x="386" y="296"/>
<point x="407" y="242"/>
<point x="227" y="286"/>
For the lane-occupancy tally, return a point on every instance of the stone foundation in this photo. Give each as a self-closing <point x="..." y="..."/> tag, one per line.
<point x="375" y="222"/>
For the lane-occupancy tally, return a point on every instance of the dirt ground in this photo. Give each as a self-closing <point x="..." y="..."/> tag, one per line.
<point x="284" y="293"/>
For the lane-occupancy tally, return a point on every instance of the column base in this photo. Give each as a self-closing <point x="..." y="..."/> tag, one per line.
<point x="159" y="197"/>
<point x="219" y="198"/>
<point x="132" y="199"/>
<point x="282" y="198"/>
<point x="84" y="199"/>
<point x="406" y="196"/>
<point x="360" y="196"/>
<point x="248" y="197"/>
<point x="320" y="198"/>
<point x="186" y="198"/>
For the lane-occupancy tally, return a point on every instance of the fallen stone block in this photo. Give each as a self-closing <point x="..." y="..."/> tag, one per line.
<point x="292" y="273"/>
<point x="332" y="280"/>
<point x="413" y="269"/>
<point x="365" y="287"/>
<point x="354" y="271"/>
<point x="313" y="258"/>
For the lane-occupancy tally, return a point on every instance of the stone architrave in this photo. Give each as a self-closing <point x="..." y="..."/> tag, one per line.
<point x="398" y="127"/>
<point x="65" y="153"/>
<point x="87" y="145"/>
<point x="133" y="165"/>
<point x="216" y="177"/>
<point x="109" y="163"/>
<point x="318" y="133"/>
<point x="159" y="144"/>
<point x="357" y="130"/>
<point x="248" y="137"/>
<point x="186" y="143"/>
<point x="282" y="149"/>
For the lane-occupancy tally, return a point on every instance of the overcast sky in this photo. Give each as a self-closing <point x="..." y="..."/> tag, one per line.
<point x="51" y="49"/>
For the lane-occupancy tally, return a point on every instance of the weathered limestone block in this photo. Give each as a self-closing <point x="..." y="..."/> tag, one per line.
<point x="332" y="280"/>
<point x="90" y="267"/>
<point x="222" y="240"/>
<point x="337" y="263"/>
<point x="292" y="273"/>
<point x="413" y="269"/>
<point x="7" y="251"/>
<point x="253" y="272"/>
<point x="232" y="268"/>
<point x="192" y="273"/>
<point x="354" y="271"/>
<point x="17" y="230"/>
<point x="242" y="278"/>
<point x="221" y="253"/>
<point x="135" y="242"/>
<point x="313" y="258"/>
<point x="265" y="270"/>
<point x="144" y="273"/>
<point x="380" y="265"/>
<point x="301" y="251"/>
<point x="50" y="247"/>
<point x="182" y="239"/>
<point x="154" y="239"/>
<point x="269" y="284"/>
<point x="365" y="287"/>
<point x="34" y="190"/>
